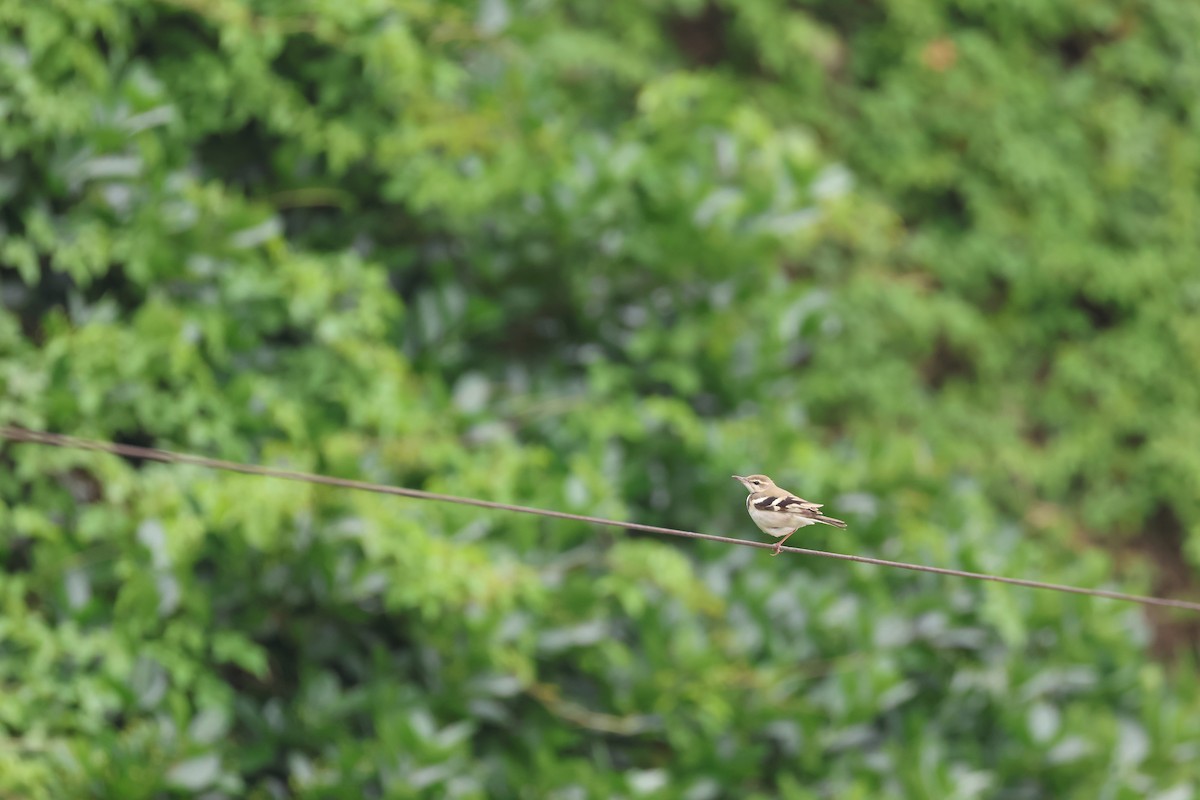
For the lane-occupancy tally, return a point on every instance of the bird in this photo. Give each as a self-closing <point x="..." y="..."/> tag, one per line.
<point x="779" y="512"/>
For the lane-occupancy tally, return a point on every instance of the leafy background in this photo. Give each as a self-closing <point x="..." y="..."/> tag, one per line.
<point x="932" y="263"/>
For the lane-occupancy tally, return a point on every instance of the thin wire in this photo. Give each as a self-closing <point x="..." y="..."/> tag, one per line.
<point x="171" y="457"/>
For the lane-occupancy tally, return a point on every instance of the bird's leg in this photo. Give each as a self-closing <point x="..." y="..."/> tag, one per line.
<point x="779" y="544"/>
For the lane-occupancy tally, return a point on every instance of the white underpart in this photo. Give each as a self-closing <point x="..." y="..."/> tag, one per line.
<point x="779" y="523"/>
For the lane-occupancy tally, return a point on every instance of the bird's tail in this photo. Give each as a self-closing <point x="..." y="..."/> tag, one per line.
<point x="837" y="523"/>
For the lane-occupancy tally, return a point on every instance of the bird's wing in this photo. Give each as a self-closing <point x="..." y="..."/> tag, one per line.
<point x="787" y="503"/>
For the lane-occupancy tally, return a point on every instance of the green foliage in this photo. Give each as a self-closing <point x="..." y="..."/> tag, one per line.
<point x="929" y="262"/>
<point x="1044" y="162"/>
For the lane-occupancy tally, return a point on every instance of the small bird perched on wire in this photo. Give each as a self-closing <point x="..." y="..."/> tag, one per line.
<point x="779" y="512"/>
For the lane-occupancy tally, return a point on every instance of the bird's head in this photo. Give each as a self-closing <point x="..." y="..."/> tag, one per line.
<point x="756" y="483"/>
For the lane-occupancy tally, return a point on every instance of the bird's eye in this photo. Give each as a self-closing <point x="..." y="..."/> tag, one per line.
<point x="756" y="483"/>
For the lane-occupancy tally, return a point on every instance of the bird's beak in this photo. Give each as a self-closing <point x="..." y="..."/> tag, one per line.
<point x="740" y="478"/>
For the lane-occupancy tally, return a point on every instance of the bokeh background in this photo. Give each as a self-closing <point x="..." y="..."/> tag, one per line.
<point x="934" y="264"/>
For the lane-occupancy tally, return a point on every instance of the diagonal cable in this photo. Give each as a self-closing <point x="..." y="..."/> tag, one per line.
<point x="171" y="457"/>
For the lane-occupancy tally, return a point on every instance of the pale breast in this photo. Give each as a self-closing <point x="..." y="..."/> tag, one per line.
<point x="778" y="523"/>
